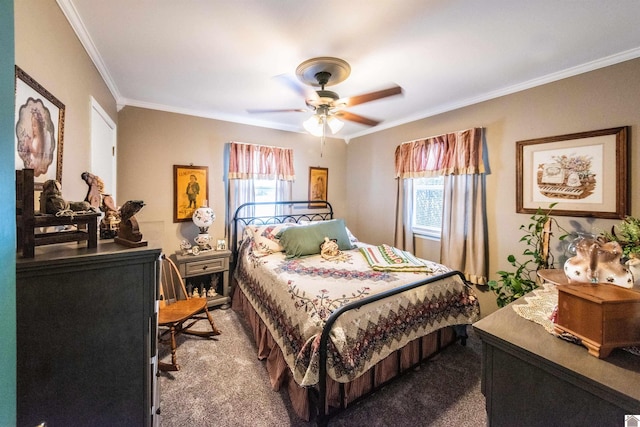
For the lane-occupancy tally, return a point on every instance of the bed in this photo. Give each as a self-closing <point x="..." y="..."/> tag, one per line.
<point x="335" y="325"/>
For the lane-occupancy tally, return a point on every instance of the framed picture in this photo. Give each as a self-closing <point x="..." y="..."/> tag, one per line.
<point x="584" y="173"/>
<point x="190" y="190"/>
<point x="318" y="183"/>
<point x="39" y="130"/>
<point x="222" y="245"/>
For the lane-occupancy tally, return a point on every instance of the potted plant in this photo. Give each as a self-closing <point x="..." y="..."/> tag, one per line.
<point x="627" y="233"/>
<point x="514" y="284"/>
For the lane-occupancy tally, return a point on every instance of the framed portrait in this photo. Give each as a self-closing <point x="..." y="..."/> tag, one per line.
<point x="190" y="190"/>
<point x="584" y="173"/>
<point x="318" y="184"/>
<point x="39" y="130"/>
<point x="221" y="245"/>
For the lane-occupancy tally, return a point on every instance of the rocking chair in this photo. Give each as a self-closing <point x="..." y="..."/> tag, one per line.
<point x="178" y="312"/>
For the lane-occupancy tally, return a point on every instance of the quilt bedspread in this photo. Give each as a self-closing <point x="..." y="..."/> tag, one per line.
<point x="295" y="297"/>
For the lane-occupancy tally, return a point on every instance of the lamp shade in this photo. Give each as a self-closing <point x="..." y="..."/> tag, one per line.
<point x="335" y="124"/>
<point x="203" y="218"/>
<point x="314" y="125"/>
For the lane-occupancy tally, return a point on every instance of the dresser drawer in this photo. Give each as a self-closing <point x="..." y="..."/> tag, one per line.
<point x="197" y="268"/>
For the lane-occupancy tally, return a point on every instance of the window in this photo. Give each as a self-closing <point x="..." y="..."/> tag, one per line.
<point x="265" y="191"/>
<point x="427" y="206"/>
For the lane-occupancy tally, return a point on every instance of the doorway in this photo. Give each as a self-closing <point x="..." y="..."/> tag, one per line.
<point x="103" y="148"/>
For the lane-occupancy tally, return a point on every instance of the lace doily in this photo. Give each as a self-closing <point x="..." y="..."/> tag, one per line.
<point x="539" y="308"/>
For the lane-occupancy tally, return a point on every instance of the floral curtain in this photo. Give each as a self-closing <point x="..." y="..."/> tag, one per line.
<point x="459" y="156"/>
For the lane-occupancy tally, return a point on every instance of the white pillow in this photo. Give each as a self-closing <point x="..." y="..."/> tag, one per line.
<point x="353" y="239"/>
<point x="264" y="238"/>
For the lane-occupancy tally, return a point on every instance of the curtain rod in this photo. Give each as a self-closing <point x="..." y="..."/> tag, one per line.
<point x="435" y="136"/>
<point x="259" y="145"/>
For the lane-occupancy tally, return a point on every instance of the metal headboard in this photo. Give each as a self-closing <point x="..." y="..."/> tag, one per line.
<point x="316" y="210"/>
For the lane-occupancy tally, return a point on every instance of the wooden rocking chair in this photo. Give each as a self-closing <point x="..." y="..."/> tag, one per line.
<point x="178" y="312"/>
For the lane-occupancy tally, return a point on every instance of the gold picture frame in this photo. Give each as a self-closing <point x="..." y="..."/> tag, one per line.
<point x="318" y="185"/>
<point x="584" y="173"/>
<point x="39" y="129"/>
<point x="190" y="190"/>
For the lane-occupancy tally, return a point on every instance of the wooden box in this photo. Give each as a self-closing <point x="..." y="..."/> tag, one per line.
<point x="603" y="316"/>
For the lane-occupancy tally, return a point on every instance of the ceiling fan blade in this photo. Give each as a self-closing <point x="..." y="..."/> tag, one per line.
<point x="357" y="118"/>
<point x="267" y="110"/>
<point x="371" y="96"/>
<point x="306" y="92"/>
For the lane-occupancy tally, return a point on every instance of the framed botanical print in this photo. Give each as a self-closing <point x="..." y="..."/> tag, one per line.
<point x="585" y="174"/>
<point x="318" y="184"/>
<point x="190" y="190"/>
<point x="39" y="129"/>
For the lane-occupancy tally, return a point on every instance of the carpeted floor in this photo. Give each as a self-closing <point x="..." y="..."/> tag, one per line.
<point x="222" y="383"/>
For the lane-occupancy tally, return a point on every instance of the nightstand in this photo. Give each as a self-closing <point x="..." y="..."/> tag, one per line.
<point x="197" y="268"/>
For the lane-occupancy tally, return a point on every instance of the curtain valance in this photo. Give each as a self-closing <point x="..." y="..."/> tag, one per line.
<point x="456" y="153"/>
<point x="250" y="161"/>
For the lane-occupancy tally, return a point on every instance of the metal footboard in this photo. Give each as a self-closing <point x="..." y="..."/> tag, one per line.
<point x="323" y="416"/>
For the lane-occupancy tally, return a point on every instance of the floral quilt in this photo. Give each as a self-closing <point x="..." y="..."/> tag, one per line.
<point x="295" y="297"/>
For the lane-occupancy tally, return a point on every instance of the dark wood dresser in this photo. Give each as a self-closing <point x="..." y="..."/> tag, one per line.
<point x="531" y="378"/>
<point x="86" y="336"/>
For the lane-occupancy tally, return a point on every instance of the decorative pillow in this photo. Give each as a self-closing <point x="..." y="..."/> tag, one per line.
<point x="265" y="241"/>
<point x="353" y="239"/>
<point x="302" y="241"/>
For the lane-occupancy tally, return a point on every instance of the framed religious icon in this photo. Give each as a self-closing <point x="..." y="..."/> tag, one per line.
<point x="39" y="130"/>
<point x="190" y="190"/>
<point x="585" y="174"/>
<point x="318" y="184"/>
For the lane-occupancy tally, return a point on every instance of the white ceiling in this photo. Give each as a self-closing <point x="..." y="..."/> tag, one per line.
<point x="216" y="59"/>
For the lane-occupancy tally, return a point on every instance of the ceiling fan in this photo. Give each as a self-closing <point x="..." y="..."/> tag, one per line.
<point x="327" y="105"/>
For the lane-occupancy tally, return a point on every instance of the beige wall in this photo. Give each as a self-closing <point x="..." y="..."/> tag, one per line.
<point x="48" y="50"/>
<point x="151" y="142"/>
<point x="600" y="99"/>
<point x="361" y="183"/>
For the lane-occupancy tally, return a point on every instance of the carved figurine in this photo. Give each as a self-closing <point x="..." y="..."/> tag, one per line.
<point x="52" y="202"/>
<point x="129" y="233"/>
<point x="103" y="201"/>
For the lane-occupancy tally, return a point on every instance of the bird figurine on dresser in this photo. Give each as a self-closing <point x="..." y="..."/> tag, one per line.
<point x="129" y="232"/>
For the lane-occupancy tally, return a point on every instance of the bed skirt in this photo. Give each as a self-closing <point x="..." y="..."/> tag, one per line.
<point x="280" y="375"/>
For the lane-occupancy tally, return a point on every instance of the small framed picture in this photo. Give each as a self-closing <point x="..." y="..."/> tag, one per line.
<point x="222" y="245"/>
<point x="318" y="183"/>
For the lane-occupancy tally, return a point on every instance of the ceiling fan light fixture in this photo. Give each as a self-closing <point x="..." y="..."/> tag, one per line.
<point x="335" y="124"/>
<point x="314" y="125"/>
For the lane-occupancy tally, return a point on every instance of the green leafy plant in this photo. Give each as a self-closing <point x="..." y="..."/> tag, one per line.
<point x="514" y="284"/>
<point x="627" y="233"/>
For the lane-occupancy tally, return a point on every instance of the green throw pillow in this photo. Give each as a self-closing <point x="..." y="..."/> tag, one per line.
<point x="302" y="241"/>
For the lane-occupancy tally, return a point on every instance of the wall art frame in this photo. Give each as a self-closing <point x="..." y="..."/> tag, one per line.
<point x="190" y="190"/>
<point x="39" y="129"/>
<point x="585" y="173"/>
<point x="318" y="186"/>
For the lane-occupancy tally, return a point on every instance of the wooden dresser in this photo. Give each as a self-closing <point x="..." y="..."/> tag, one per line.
<point x="86" y="336"/>
<point x="531" y="378"/>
